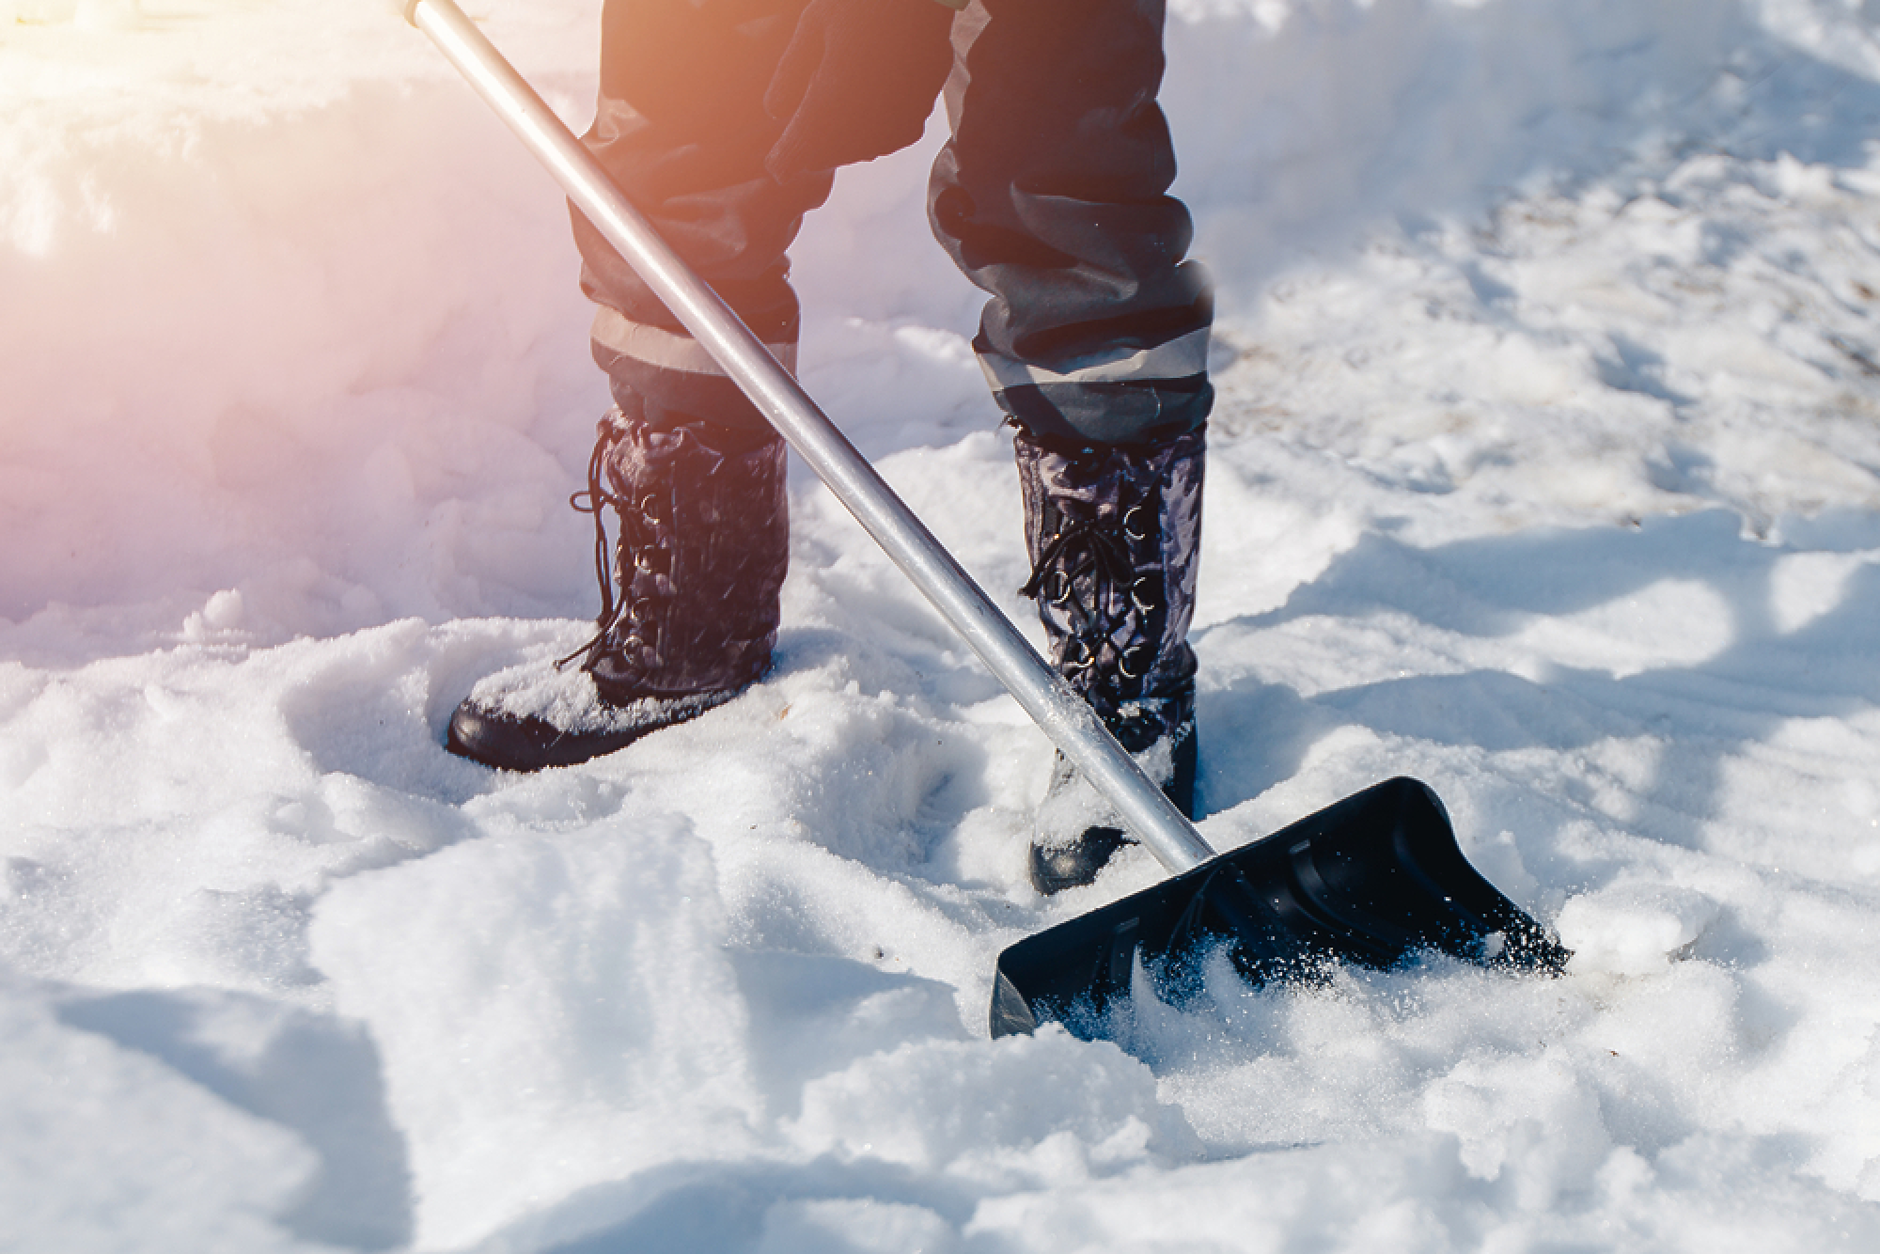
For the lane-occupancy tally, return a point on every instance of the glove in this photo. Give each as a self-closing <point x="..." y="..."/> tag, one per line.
<point x="856" y="82"/>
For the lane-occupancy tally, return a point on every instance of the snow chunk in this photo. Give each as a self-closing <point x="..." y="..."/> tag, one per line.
<point x="1632" y="929"/>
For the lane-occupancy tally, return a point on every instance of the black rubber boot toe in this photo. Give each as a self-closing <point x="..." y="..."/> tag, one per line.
<point x="524" y="743"/>
<point x="1058" y="863"/>
<point x="484" y="731"/>
<point x="1072" y="866"/>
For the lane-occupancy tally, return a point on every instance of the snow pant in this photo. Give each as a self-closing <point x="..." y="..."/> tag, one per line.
<point x="1051" y="195"/>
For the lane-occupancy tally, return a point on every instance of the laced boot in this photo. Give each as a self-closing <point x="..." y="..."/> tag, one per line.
<point x="688" y="599"/>
<point x="1114" y="537"/>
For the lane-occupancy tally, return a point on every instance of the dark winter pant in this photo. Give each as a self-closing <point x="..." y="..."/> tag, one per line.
<point x="1051" y="196"/>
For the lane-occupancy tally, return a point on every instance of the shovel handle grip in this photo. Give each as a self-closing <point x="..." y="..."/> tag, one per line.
<point x="1063" y="715"/>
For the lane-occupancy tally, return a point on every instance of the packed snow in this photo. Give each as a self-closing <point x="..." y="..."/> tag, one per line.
<point x="1546" y="468"/>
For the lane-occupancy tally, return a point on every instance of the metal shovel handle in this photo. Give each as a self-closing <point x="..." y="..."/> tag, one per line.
<point x="1064" y="716"/>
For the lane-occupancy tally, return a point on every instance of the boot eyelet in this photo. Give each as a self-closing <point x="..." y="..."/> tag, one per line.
<point x="1062" y="583"/>
<point x="1131" y="520"/>
<point x="1146" y="604"/>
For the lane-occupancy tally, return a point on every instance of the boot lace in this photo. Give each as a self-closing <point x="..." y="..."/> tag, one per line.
<point x="640" y="523"/>
<point x="1096" y="546"/>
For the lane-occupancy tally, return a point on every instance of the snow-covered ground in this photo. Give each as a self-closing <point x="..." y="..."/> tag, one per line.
<point x="1546" y="468"/>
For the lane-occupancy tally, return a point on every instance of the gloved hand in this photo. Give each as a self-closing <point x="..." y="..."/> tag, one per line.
<point x="856" y="82"/>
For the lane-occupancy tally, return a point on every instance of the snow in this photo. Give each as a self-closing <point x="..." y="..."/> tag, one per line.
<point x="1546" y="469"/>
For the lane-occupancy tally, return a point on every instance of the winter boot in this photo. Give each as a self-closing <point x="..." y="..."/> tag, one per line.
<point x="1114" y="536"/>
<point x="688" y="599"/>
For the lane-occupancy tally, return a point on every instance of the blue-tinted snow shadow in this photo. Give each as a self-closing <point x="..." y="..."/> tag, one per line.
<point x="817" y="1013"/>
<point x="724" y="1208"/>
<point x="1792" y="102"/>
<point x="313" y="1074"/>
<point x="1254" y="735"/>
<point x="812" y="1015"/>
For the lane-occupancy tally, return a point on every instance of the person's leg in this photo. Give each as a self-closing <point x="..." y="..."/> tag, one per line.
<point x="1053" y="197"/>
<point x="690" y="473"/>
<point x="1114" y="535"/>
<point x="682" y="129"/>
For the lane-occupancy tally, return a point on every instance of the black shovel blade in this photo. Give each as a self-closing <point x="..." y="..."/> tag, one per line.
<point x="1374" y="879"/>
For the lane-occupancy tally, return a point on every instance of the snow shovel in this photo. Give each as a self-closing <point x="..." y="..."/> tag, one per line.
<point x="1373" y="879"/>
